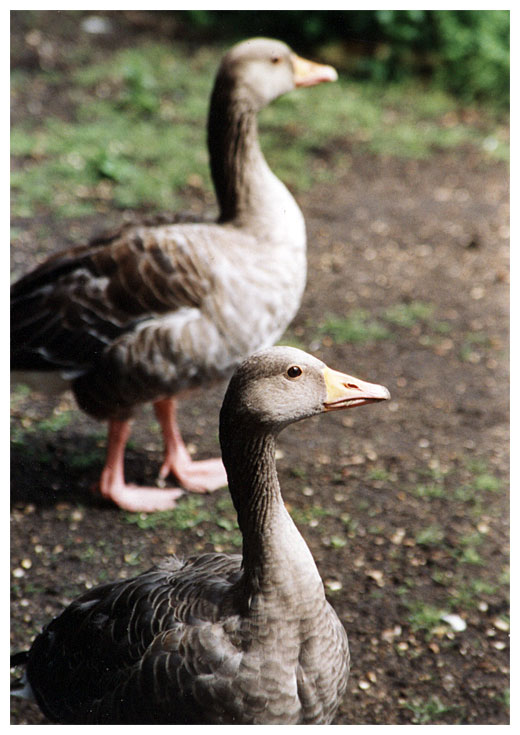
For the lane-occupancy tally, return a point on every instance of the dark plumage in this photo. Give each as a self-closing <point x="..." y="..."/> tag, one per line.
<point x="151" y="311"/>
<point x="215" y="639"/>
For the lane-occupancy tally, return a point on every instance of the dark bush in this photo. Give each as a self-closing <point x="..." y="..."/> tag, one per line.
<point x="464" y="51"/>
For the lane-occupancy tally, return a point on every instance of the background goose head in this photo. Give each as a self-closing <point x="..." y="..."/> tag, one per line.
<point x="262" y="69"/>
<point x="280" y="385"/>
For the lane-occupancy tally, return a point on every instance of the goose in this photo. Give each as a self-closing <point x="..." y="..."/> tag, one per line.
<point x="151" y="312"/>
<point x="215" y="638"/>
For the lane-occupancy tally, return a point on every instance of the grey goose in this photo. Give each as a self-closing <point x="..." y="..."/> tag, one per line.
<point x="150" y="312"/>
<point x="215" y="638"/>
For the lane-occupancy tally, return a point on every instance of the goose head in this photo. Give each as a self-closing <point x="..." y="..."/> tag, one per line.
<point x="280" y="385"/>
<point x="261" y="69"/>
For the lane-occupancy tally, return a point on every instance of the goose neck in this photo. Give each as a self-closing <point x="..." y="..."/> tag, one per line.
<point x="276" y="559"/>
<point x="240" y="174"/>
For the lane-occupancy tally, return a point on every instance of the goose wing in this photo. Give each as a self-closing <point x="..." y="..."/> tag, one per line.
<point x="129" y="652"/>
<point x="68" y="310"/>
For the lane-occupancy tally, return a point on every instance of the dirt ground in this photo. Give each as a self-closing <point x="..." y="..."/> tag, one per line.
<point x="413" y="508"/>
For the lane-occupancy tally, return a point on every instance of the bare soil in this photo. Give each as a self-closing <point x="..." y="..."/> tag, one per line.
<point x="386" y="232"/>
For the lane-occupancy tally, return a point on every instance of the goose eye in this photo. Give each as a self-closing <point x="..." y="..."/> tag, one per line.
<point x="294" y="372"/>
<point x="275" y="60"/>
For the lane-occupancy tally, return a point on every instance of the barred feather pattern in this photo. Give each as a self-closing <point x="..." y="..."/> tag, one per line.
<point x="214" y="639"/>
<point x="153" y="312"/>
<point x="171" y="647"/>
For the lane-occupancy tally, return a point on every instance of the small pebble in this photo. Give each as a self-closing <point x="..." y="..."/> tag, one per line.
<point x="455" y="621"/>
<point x="501" y="624"/>
<point x="333" y="585"/>
<point x="96" y="24"/>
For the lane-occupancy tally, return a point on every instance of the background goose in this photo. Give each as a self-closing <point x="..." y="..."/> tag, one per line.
<point x="215" y="639"/>
<point x="151" y="312"/>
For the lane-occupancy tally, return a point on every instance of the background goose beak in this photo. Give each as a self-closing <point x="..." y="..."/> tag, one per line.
<point x="345" y="391"/>
<point x="308" y="73"/>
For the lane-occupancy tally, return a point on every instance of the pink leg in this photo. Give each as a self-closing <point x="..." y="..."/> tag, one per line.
<point x="201" y="477"/>
<point x="112" y="484"/>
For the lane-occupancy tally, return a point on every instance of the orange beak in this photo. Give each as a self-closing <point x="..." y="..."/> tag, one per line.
<point x="344" y="391"/>
<point x="308" y="73"/>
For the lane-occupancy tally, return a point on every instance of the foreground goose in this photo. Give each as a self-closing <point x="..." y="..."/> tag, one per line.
<point x="151" y="312"/>
<point x="215" y="639"/>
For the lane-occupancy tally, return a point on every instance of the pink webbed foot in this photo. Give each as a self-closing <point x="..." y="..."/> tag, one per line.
<point x="135" y="498"/>
<point x="112" y="485"/>
<point x="203" y="476"/>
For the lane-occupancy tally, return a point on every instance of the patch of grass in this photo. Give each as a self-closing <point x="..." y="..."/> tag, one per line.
<point x="433" y="490"/>
<point x="134" y="135"/>
<point x="407" y="315"/>
<point x="487" y="483"/>
<point x="424" y="617"/>
<point x="309" y="515"/>
<point x="350" y="523"/>
<point x="430" y="536"/>
<point x="357" y="327"/>
<point x="190" y="512"/>
<point x="299" y="472"/>
<point x="505" y="576"/>
<point x="472" y="342"/>
<point x="466" y="550"/>
<point x="225" y="539"/>
<point x="427" y="711"/>
<point x="467" y="595"/>
<point x="505" y="698"/>
<point x="85" y="460"/>
<point x="380" y="474"/>
<point x="482" y="481"/>
<point x="469" y="555"/>
<point x="338" y="542"/>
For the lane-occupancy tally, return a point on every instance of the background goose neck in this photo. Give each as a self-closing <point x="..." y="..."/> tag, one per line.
<point x="236" y="160"/>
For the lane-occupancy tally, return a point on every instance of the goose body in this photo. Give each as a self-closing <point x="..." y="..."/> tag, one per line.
<point x="153" y="311"/>
<point x="215" y="639"/>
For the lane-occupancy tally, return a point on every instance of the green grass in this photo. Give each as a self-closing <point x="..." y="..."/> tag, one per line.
<point x="427" y="711"/>
<point x="424" y="617"/>
<point x="407" y="315"/>
<point x="310" y="514"/>
<point x="134" y="132"/>
<point x="190" y="512"/>
<point x="467" y="595"/>
<point x="380" y="474"/>
<point x="357" y="327"/>
<point x="430" y="536"/>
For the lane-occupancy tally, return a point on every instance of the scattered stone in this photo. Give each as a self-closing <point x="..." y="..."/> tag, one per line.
<point x="96" y="24"/>
<point x="455" y="621"/>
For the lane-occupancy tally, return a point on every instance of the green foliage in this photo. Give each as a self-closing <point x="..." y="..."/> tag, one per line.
<point x="464" y="51"/>
<point x="134" y="135"/>
<point x="473" y="54"/>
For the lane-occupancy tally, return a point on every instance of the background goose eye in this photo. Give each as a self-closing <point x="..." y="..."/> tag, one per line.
<point x="294" y="371"/>
<point x="275" y="60"/>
